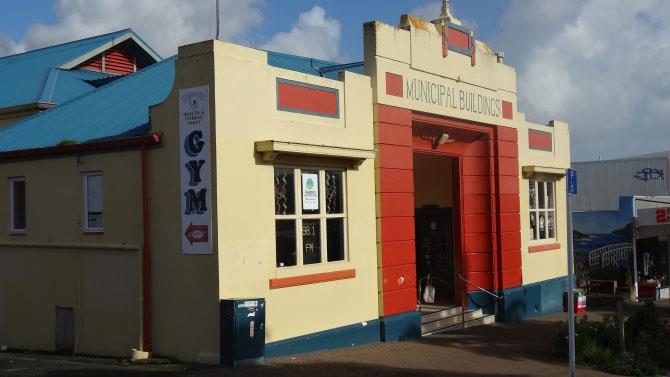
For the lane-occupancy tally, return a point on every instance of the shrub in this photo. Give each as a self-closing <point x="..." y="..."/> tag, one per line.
<point x="597" y="343"/>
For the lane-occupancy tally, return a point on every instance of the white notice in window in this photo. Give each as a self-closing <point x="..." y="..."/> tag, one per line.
<point x="310" y="191"/>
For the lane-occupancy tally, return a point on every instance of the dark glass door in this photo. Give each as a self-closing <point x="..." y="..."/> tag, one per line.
<point x="435" y="250"/>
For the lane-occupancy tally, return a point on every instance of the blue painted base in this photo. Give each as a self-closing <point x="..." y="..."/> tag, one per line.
<point x="401" y="327"/>
<point x="520" y="303"/>
<point x="358" y="333"/>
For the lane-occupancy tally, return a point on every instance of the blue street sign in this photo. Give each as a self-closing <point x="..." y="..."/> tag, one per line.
<point x="572" y="181"/>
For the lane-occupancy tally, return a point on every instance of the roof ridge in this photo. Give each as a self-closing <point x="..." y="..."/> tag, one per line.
<point x="70" y="42"/>
<point x="92" y="92"/>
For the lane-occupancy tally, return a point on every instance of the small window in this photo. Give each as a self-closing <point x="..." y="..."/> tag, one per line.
<point x="310" y="218"/>
<point x="542" y="210"/>
<point x="93" y="212"/>
<point x="17" y="205"/>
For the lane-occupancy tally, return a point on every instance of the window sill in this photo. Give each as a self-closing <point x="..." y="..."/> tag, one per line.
<point x="293" y="281"/>
<point x="17" y="233"/>
<point x="544" y="247"/>
<point x="91" y="231"/>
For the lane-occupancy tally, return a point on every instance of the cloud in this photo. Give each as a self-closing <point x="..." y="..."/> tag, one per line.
<point x="164" y="24"/>
<point x="597" y="64"/>
<point x="7" y="45"/>
<point x="428" y="11"/>
<point x="313" y="35"/>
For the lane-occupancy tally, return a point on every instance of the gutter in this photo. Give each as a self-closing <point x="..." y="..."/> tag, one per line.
<point x="91" y="147"/>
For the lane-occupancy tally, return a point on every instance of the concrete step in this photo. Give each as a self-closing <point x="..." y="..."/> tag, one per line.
<point x="439" y="313"/>
<point x="443" y="323"/>
<point x="484" y="320"/>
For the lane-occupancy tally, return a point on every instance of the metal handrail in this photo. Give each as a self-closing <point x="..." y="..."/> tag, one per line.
<point x="447" y="283"/>
<point x="481" y="289"/>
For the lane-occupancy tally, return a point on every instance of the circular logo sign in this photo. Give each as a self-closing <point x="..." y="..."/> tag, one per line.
<point x="310" y="183"/>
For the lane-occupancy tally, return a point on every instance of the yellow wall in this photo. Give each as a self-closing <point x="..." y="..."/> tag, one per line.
<point x="548" y="264"/>
<point x="433" y="181"/>
<point x="56" y="264"/>
<point x="243" y="112"/>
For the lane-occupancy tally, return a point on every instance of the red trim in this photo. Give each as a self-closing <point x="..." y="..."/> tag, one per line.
<point x="459" y="38"/>
<point x="96" y="146"/>
<point x="540" y="140"/>
<point x="507" y="110"/>
<point x="310" y="100"/>
<point x="322" y="277"/>
<point x="146" y="254"/>
<point x="393" y="84"/>
<point x="546" y="247"/>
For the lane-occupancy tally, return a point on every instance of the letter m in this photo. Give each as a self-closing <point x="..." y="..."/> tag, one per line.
<point x="196" y="202"/>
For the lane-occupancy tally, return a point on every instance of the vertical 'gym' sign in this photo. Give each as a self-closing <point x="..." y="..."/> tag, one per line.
<point x="195" y="171"/>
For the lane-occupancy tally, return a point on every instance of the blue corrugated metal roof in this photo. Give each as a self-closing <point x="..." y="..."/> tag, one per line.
<point x="34" y="75"/>
<point x="118" y="109"/>
<point x="306" y="65"/>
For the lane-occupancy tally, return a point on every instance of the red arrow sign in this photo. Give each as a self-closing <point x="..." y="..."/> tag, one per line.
<point x="197" y="233"/>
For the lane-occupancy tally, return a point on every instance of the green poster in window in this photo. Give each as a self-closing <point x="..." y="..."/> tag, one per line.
<point x="310" y="191"/>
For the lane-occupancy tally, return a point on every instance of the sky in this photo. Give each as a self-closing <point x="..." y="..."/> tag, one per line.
<point x="599" y="65"/>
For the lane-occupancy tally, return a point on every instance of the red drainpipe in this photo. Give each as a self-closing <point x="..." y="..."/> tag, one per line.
<point x="146" y="253"/>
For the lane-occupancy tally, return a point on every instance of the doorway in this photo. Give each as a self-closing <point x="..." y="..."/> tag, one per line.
<point x="434" y="214"/>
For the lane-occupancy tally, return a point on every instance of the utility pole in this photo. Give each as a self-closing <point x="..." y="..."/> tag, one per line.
<point x="571" y="186"/>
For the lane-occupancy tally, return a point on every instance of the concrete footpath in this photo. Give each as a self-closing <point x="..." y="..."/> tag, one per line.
<point x="518" y="349"/>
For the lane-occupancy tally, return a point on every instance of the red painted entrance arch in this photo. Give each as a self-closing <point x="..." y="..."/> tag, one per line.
<point x="488" y="238"/>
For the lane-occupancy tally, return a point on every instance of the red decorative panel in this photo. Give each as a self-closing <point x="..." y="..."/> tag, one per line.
<point x="476" y="223"/>
<point x="395" y="157"/>
<point x="510" y="222"/>
<point x="507" y="134"/>
<point x="398" y="252"/>
<point x="480" y="262"/>
<point x="482" y="279"/>
<point x="399" y="277"/>
<point x="508" y="166"/>
<point x="396" y="204"/>
<point x="544" y="247"/>
<point x="458" y="39"/>
<point x="507" y="149"/>
<point x="394" y="134"/>
<point x="509" y="204"/>
<point x="476" y="165"/>
<point x="399" y="301"/>
<point x="393" y="115"/>
<point x="396" y="180"/>
<point x="508" y="185"/>
<point x="476" y="204"/>
<point x="507" y="111"/>
<point x="476" y="184"/>
<point x="540" y="140"/>
<point x="306" y="98"/>
<point x="393" y="84"/>
<point x="477" y="243"/>
<point x="510" y="241"/>
<point x="397" y="228"/>
<point x="511" y="278"/>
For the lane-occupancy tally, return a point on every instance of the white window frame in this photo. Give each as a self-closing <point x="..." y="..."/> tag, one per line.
<point x="85" y="176"/>
<point x="537" y="211"/>
<point x="298" y="216"/>
<point x="12" y="228"/>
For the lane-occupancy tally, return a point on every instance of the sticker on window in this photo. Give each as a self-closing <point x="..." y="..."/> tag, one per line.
<point x="310" y="191"/>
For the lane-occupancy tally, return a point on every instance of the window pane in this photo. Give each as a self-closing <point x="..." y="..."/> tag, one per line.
<point x="285" y="242"/>
<point x="334" y="197"/>
<point x="19" y="205"/>
<point x="550" y="195"/>
<point x="335" y="237"/>
<point x="310" y="191"/>
<point x="540" y="195"/>
<point x="311" y="241"/>
<point x="550" y="224"/>
<point x="531" y="193"/>
<point x="284" y="192"/>
<point x="94" y="201"/>
<point x="533" y="226"/>
<point x="542" y="226"/>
